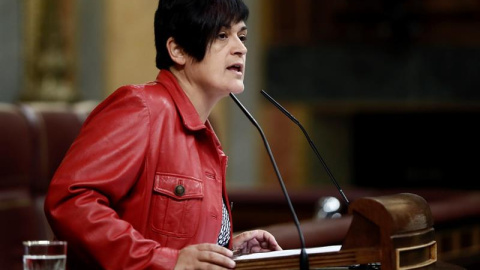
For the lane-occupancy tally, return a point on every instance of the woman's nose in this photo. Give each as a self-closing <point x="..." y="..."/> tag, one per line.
<point x="239" y="47"/>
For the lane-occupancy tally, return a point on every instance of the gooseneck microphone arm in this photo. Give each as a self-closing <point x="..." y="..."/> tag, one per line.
<point x="312" y="145"/>
<point x="304" y="264"/>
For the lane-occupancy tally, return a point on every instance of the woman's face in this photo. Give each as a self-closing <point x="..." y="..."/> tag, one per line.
<point x="223" y="68"/>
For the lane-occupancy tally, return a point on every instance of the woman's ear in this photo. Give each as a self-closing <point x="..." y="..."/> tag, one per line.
<point x="176" y="52"/>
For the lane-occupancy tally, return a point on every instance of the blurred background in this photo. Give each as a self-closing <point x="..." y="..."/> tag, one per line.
<point x="388" y="90"/>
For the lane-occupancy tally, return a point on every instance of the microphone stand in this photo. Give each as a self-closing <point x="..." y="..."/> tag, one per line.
<point x="312" y="145"/>
<point x="304" y="264"/>
<point x="314" y="148"/>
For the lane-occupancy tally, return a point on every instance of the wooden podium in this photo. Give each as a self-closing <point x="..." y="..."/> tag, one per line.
<point x="395" y="231"/>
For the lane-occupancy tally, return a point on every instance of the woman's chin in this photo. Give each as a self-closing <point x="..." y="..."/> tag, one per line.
<point x="237" y="90"/>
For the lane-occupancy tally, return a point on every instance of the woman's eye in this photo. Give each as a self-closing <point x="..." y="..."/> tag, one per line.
<point x="222" y="36"/>
<point x="243" y="38"/>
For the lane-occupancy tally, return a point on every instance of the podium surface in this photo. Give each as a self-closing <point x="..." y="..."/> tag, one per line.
<point x="394" y="231"/>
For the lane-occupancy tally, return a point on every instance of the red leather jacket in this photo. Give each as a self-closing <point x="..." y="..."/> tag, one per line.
<point x="144" y="178"/>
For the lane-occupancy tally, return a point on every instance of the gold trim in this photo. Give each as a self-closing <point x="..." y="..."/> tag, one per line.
<point x="432" y="260"/>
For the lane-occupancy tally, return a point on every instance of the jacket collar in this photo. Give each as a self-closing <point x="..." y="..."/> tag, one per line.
<point x="187" y="111"/>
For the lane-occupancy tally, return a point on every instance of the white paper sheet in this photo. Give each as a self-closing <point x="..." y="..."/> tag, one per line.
<point x="287" y="252"/>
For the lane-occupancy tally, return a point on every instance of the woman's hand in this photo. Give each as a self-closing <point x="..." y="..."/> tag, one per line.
<point x="254" y="241"/>
<point x="205" y="256"/>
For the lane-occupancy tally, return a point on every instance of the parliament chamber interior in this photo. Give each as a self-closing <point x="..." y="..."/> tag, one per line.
<point x="388" y="90"/>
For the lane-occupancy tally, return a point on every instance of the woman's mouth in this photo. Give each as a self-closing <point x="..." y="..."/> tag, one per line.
<point x="238" y="68"/>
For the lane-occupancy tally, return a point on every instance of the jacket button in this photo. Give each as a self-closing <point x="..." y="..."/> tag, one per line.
<point x="179" y="190"/>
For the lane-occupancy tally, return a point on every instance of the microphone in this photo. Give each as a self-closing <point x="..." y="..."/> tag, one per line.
<point x="312" y="145"/>
<point x="304" y="264"/>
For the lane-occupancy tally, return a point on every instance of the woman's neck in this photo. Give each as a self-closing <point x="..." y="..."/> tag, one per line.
<point x="201" y="100"/>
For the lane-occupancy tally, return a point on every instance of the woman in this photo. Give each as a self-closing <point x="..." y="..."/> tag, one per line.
<point x="143" y="185"/>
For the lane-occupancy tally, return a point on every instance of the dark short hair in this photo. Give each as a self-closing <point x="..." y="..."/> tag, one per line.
<point x="194" y="24"/>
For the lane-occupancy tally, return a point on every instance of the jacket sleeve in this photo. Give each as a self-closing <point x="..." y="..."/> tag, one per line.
<point x="97" y="173"/>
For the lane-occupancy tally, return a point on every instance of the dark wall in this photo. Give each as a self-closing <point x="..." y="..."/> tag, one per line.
<point x="435" y="149"/>
<point x="358" y="73"/>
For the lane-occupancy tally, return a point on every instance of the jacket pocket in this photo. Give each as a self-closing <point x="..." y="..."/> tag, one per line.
<point x="177" y="202"/>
